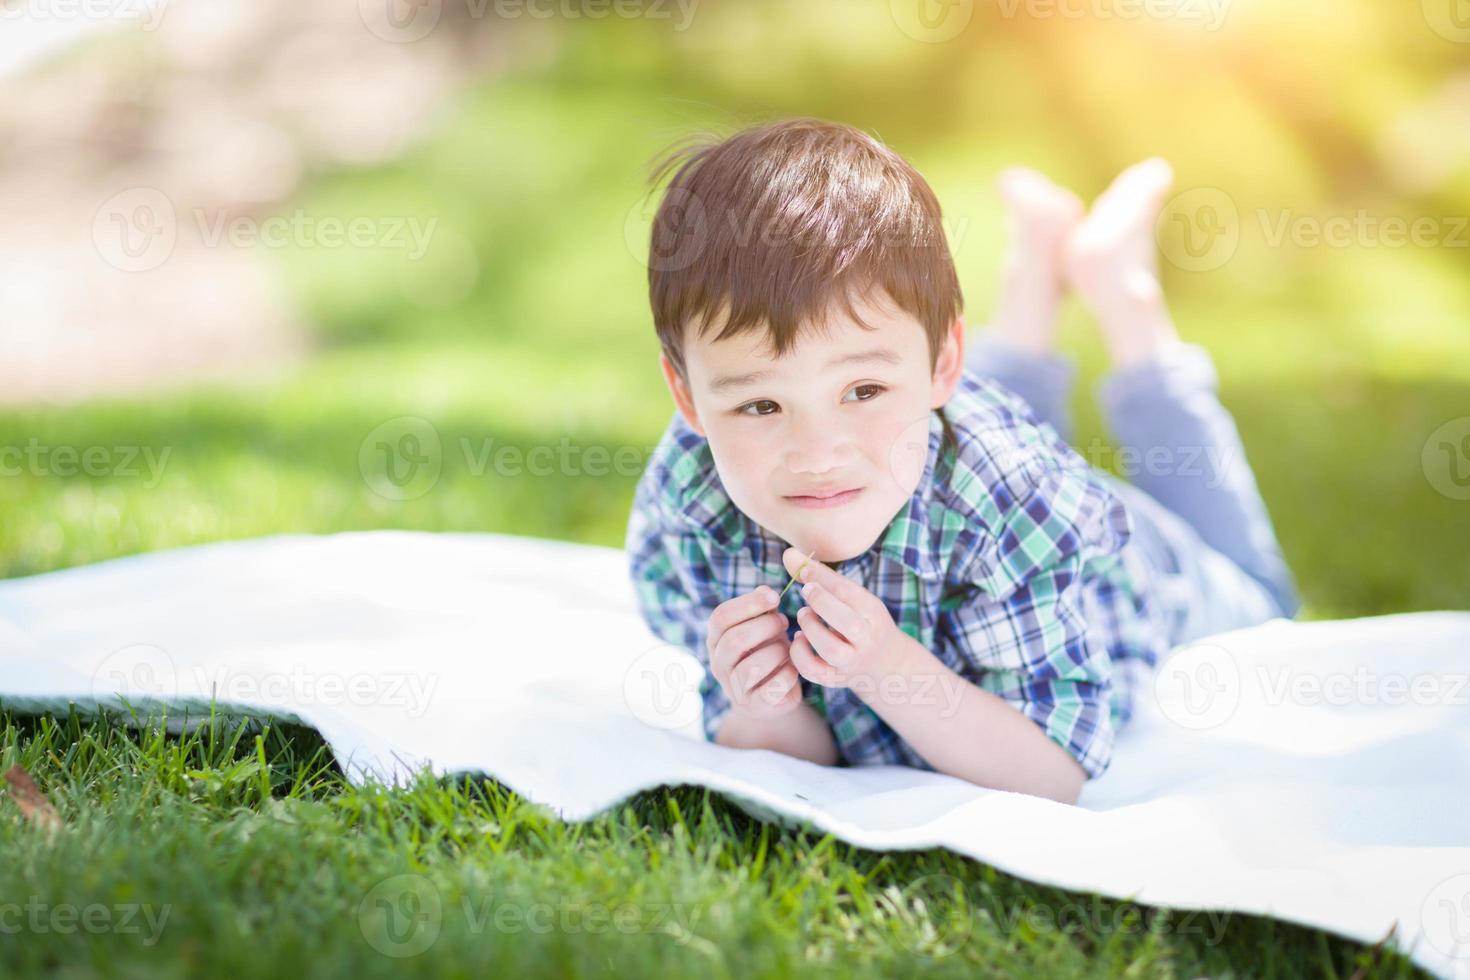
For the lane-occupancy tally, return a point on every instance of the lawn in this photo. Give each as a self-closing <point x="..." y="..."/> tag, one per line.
<point x="241" y="849"/>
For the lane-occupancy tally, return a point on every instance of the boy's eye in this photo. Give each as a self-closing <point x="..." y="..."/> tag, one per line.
<point x="875" y="390"/>
<point x="758" y="404"/>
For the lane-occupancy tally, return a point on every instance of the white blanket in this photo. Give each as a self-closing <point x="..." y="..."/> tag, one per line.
<point x="1319" y="773"/>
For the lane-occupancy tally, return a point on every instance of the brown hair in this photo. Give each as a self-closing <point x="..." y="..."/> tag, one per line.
<point x="773" y="224"/>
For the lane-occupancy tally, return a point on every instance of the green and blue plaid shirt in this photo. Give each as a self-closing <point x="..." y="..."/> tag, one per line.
<point x="1013" y="562"/>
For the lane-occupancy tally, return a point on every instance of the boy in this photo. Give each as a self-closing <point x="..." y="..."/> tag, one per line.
<point x="994" y="602"/>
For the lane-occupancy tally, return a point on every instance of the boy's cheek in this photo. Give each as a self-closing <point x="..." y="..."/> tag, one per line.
<point x="741" y="462"/>
<point x="903" y="448"/>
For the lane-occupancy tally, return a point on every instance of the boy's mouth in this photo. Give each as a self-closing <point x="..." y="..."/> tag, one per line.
<point x="825" y="498"/>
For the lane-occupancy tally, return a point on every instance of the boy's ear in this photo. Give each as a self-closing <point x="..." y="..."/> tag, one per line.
<point x="682" y="397"/>
<point x="949" y="364"/>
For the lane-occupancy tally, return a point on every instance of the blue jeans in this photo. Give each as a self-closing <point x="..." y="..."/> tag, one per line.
<point x="1193" y="498"/>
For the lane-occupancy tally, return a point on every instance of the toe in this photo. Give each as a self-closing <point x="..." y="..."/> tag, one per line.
<point x="1037" y="205"/>
<point x="1152" y="179"/>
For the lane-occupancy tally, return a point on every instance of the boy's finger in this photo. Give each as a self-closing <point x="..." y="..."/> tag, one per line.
<point x="794" y="558"/>
<point x="811" y="666"/>
<point x="744" y="638"/>
<point x="755" y="669"/>
<point x="829" y="646"/>
<point x="837" y="614"/>
<point x="843" y="588"/>
<point x="726" y="658"/>
<point x="739" y="609"/>
<point x="779" y="686"/>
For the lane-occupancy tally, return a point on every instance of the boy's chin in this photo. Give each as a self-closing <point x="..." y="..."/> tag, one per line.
<point x="838" y="544"/>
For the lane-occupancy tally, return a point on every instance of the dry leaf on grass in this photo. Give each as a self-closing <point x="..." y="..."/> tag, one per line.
<point x="32" y="802"/>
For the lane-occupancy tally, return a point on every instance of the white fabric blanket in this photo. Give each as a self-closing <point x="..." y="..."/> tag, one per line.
<point x="1319" y="773"/>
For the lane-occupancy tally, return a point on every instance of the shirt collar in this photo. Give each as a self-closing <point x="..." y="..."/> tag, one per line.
<point x="705" y="506"/>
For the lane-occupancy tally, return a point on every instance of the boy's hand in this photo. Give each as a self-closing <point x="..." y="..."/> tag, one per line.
<point x="850" y="634"/>
<point x="750" y="655"/>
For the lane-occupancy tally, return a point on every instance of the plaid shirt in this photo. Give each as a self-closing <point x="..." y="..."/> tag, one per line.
<point x="1013" y="562"/>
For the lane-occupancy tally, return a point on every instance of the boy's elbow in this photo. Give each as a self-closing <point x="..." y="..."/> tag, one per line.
<point x="1069" y="786"/>
<point x="1065" y="778"/>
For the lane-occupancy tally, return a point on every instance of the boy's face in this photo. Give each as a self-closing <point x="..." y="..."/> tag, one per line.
<point x="824" y="446"/>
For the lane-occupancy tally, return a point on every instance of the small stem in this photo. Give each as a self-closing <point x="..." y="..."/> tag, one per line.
<point x="800" y="568"/>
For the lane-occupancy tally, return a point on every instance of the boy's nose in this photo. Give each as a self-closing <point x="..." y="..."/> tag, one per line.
<point x="817" y="451"/>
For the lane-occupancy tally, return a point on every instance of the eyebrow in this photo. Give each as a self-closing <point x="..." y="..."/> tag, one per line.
<point x="880" y="355"/>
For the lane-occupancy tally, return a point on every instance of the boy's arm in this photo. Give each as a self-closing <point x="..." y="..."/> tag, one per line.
<point x="972" y="734"/>
<point x="801" y="733"/>
<point x="1019" y="626"/>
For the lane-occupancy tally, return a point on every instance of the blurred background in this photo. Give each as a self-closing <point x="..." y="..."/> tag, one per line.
<point x="281" y="267"/>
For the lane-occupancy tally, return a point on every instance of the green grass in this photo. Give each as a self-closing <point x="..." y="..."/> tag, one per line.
<point x="238" y="849"/>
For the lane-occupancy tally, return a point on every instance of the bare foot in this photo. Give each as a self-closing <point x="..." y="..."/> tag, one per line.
<point x="1112" y="261"/>
<point x="1042" y="216"/>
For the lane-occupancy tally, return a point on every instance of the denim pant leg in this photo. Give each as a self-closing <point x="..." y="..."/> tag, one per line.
<point x="1226" y="556"/>
<point x="1044" y="381"/>
<point x="1168" y="407"/>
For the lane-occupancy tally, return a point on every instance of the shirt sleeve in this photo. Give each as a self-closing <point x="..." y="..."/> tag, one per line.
<point x="1015" y="622"/>
<point x="674" y="598"/>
